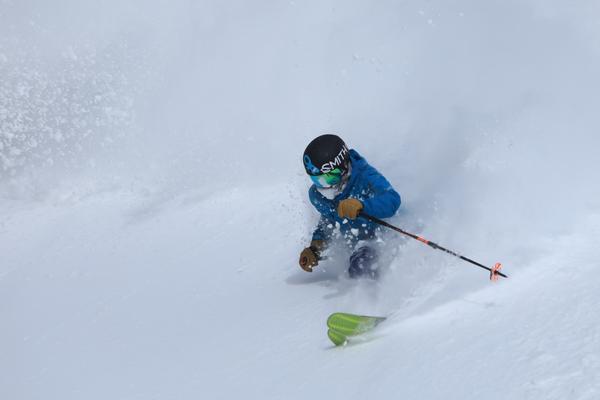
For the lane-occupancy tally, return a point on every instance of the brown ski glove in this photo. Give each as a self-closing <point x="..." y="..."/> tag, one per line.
<point x="349" y="208"/>
<point x="310" y="256"/>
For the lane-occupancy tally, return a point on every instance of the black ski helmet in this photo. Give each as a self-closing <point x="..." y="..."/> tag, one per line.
<point x="326" y="153"/>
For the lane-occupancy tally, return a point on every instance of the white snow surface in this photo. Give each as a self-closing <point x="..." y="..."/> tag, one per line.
<point x="153" y="203"/>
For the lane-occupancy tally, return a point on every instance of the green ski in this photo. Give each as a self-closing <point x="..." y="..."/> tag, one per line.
<point x="337" y="338"/>
<point x="343" y="325"/>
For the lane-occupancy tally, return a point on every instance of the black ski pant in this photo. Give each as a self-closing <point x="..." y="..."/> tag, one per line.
<point x="363" y="263"/>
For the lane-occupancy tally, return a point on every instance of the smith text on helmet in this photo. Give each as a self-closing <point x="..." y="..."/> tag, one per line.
<point x="336" y="162"/>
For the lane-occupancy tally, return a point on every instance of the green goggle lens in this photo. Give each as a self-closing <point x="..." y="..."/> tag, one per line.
<point x="327" y="180"/>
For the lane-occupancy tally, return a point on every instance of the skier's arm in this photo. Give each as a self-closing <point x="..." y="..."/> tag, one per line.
<point x="326" y="208"/>
<point x="324" y="230"/>
<point x="310" y="256"/>
<point x="385" y="201"/>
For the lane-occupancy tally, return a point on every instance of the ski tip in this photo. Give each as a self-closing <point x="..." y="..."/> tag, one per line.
<point x="333" y="316"/>
<point x="337" y="338"/>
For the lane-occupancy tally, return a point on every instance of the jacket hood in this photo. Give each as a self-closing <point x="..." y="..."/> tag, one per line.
<point x="358" y="164"/>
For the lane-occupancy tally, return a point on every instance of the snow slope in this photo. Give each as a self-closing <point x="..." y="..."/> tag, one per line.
<point x="153" y="202"/>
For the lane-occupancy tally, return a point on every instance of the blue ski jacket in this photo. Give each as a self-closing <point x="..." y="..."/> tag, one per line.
<point x="365" y="184"/>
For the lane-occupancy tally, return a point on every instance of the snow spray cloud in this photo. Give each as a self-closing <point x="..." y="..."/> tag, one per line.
<point x="202" y="94"/>
<point x="71" y="83"/>
<point x="53" y="116"/>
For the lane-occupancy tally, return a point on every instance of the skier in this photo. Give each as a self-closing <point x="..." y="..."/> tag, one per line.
<point x="344" y="185"/>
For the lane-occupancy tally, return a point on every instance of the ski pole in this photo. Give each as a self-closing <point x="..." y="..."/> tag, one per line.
<point x="494" y="271"/>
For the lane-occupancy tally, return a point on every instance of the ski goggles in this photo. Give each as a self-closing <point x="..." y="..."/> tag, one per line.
<point x="327" y="180"/>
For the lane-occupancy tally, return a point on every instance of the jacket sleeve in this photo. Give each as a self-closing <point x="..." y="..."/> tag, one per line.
<point x="324" y="229"/>
<point x="385" y="201"/>
<point x="326" y="208"/>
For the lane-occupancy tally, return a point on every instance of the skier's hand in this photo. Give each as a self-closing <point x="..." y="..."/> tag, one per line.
<point x="349" y="208"/>
<point x="308" y="259"/>
<point x="310" y="256"/>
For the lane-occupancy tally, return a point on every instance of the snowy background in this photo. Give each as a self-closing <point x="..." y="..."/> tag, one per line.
<point x="153" y="201"/>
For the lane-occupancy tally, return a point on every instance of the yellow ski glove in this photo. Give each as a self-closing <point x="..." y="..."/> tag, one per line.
<point x="349" y="208"/>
